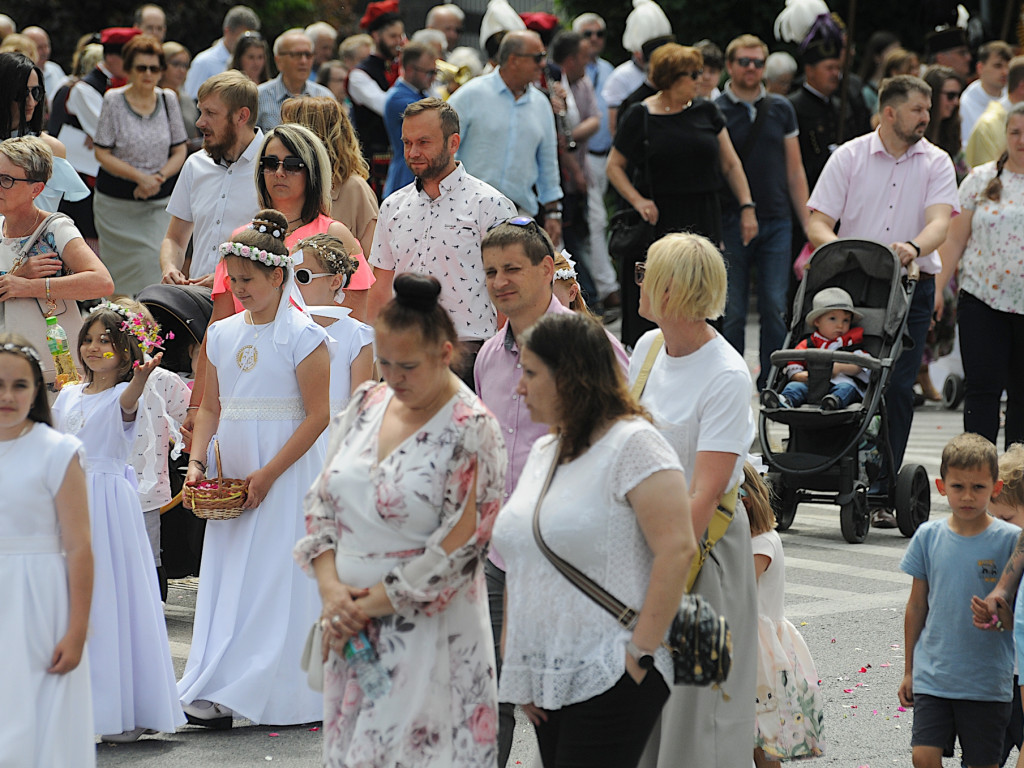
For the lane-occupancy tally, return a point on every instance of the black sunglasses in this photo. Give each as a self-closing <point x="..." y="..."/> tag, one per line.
<point x="292" y="164"/>
<point x="695" y="75"/>
<point x="598" y="33"/>
<point x="537" y="57"/>
<point x="951" y="95"/>
<point x="527" y="222"/>
<point x="154" y="69"/>
<point x="35" y="91"/>
<point x="746" y="61"/>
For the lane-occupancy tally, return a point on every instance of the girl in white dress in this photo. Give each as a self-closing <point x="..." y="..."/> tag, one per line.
<point x="789" y="710"/>
<point x="129" y="657"/>
<point x="45" y="708"/>
<point x="325" y="271"/>
<point x="265" y="399"/>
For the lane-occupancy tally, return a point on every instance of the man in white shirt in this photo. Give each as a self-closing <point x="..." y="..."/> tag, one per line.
<point x="214" y="60"/>
<point x="215" y="193"/>
<point x="436" y="224"/>
<point x="993" y="67"/>
<point x="53" y="75"/>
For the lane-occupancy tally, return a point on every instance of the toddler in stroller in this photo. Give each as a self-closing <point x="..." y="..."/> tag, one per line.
<point x="831" y="317"/>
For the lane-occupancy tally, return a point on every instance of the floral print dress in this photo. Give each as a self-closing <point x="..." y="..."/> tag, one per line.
<point x="386" y="521"/>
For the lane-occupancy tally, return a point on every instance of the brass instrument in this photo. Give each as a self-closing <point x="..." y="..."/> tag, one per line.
<point x="450" y="75"/>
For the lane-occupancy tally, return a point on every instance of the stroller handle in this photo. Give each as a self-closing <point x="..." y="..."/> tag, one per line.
<point x="781" y="357"/>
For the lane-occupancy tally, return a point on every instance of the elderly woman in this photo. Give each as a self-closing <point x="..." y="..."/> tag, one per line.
<point x="178" y="61"/>
<point x="45" y="264"/>
<point x="984" y="243"/>
<point x="679" y="148"/>
<point x="682" y="287"/>
<point x="399" y="523"/>
<point x="251" y="58"/>
<point x="140" y="146"/>
<point x="352" y="201"/>
<point x="616" y="508"/>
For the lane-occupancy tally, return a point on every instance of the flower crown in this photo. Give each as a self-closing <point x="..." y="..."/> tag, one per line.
<point x="566" y="273"/>
<point x="28" y="351"/>
<point x="146" y="333"/>
<point x="255" y="254"/>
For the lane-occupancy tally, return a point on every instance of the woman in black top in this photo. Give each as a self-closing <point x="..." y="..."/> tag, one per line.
<point x="683" y="142"/>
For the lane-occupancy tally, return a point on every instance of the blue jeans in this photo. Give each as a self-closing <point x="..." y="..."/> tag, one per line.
<point x="845" y="392"/>
<point x="769" y="252"/>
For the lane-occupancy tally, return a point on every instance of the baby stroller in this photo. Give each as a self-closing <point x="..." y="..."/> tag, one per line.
<point x="834" y="456"/>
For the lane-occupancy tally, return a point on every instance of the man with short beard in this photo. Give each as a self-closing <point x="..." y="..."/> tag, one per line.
<point x="895" y="187"/>
<point x="435" y="226"/>
<point x="215" y="193"/>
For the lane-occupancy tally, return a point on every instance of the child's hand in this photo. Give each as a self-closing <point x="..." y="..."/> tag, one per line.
<point x="800" y="376"/>
<point x="259" y="486"/>
<point x="991" y="613"/>
<point x="192" y="476"/>
<point x="906" y="691"/>
<point x="66" y="656"/>
<point x="143" y="370"/>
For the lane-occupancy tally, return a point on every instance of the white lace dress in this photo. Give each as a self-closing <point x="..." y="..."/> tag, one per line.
<point x="386" y="521"/>
<point x="561" y="648"/>
<point x="254" y="606"/>
<point x="47" y="719"/>
<point x="129" y="657"/>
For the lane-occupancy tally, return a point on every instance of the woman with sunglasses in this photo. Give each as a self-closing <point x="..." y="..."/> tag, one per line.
<point x="178" y="61"/>
<point x="140" y="146"/>
<point x="682" y="142"/>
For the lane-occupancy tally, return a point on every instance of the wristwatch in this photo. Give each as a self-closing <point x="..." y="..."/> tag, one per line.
<point x="643" y="659"/>
<point x="915" y="246"/>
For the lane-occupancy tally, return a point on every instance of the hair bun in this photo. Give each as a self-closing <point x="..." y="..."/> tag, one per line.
<point x="415" y="291"/>
<point x="270" y="222"/>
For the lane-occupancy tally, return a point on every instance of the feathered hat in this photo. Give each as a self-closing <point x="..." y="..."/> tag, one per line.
<point x="499" y="17"/>
<point x="814" y="28"/>
<point x="645" y="22"/>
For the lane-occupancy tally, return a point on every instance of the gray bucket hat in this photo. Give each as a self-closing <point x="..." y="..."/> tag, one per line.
<point x="828" y="299"/>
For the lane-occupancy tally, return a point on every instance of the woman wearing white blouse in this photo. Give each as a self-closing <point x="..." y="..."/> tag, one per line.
<point x="984" y="242"/>
<point x="616" y="509"/>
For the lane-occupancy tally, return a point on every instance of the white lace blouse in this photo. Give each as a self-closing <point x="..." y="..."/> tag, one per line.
<point x="560" y="647"/>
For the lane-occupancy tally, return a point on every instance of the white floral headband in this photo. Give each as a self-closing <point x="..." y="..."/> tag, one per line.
<point x="27" y="351"/>
<point x="255" y="254"/>
<point x="566" y="274"/>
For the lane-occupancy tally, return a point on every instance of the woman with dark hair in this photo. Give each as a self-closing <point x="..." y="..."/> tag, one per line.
<point x="251" y="57"/>
<point x="23" y="89"/>
<point x="140" y="146"/>
<point x="616" y="507"/>
<point x="944" y="127"/>
<point x="398" y="527"/>
<point x="871" y="67"/>
<point x="178" y="61"/>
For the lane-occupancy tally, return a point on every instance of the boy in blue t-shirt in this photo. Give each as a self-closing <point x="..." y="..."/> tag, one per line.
<point x="958" y="678"/>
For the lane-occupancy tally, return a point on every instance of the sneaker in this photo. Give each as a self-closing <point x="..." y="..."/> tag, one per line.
<point x="883" y="518"/>
<point x="772" y="399"/>
<point x="208" y="714"/>
<point x="830" y="403"/>
<point x="125" y="737"/>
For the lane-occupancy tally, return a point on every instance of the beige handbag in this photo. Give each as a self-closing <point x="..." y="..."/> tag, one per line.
<point x="311" y="655"/>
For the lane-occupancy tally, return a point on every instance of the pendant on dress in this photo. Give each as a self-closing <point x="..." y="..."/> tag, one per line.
<point x="75" y="422"/>
<point x="247" y="357"/>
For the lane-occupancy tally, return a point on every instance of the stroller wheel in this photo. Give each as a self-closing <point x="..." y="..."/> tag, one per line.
<point x="953" y="391"/>
<point x="854" y="518"/>
<point x="784" y="501"/>
<point x="913" y="497"/>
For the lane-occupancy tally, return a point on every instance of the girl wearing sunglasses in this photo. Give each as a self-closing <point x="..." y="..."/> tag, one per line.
<point x="325" y="271"/>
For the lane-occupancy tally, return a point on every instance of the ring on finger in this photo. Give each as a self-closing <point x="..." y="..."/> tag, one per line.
<point x="335" y="619"/>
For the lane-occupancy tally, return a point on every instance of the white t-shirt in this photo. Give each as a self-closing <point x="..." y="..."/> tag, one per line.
<point x="973" y="101"/>
<point x="700" y="402"/>
<point x="771" y="587"/>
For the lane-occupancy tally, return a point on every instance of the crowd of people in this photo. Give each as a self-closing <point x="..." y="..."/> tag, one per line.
<point x="407" y="268"/>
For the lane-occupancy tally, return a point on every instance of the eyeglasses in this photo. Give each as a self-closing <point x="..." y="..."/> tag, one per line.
<point x="8" y="181"/>
<point x="304" y="276"/>
<point x="746" y="61"/>
<point x="695" y="75"/>
<point x="598" y="33"/>
<point x="639" y="270"/>
<point x="951" y="95"/>
<point x="154" y="69"/>
<point x="422" y="71"/>
<point x="297" y="54"/>
<point x="35" y="92"/>
<point x="178" y="64"/>
<point x="537" y="57"/>
<point x="527" y="222"/>
<point x="292" y="164"/>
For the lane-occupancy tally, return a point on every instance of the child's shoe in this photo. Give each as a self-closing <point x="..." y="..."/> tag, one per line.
<point x="772" y="399"/>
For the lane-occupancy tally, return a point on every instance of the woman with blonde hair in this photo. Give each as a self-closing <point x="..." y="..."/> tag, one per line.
<point x="682" y="287"/>
<point x="353" y="203"/>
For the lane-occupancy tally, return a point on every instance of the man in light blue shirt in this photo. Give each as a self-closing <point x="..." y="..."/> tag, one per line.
<point x="214" y="60"/>
<point x="508" y="130"/>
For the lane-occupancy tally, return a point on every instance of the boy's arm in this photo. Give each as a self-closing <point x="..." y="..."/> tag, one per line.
<point x="913" y="624"/>
<point x="999" y="601"/>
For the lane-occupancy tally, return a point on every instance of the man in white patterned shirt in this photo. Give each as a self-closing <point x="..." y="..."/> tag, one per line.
<point x="436" y="224"/>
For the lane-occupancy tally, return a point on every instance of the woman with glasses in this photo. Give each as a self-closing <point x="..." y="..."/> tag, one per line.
<point x="140" y="146"/>
<point x="178" y="62"/>
<point x="698" y="390"/>
<point x="251" y="57"/>
<point x="679" y="149"/>
<point x="944" y="127"/>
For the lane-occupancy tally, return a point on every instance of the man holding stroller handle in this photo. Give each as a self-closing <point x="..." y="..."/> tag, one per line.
<point x="893" y="186"/>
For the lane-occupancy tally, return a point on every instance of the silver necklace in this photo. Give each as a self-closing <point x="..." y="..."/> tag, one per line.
<point x="77" y="419"/>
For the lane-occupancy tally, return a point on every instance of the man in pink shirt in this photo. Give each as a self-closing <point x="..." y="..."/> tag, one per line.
<point x="519" y="268"/>
<point x="895" y="187"/>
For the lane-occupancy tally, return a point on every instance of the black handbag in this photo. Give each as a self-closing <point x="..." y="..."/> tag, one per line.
<point x="629" y="234"/>
<point x="699" y="639"/>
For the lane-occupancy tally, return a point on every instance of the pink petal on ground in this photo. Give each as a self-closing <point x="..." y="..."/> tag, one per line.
<point x="874" y="711"/>
<point x="315" y="728"/>
<point x="885" y="665"/>
<point x="901" y="709"/>
<point x="847" y="690"/>
<point x="273" y="734"/>
<point x="863" y="669"/>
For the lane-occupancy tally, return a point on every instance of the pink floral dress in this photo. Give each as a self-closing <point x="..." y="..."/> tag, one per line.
<point x="386" y="521"/>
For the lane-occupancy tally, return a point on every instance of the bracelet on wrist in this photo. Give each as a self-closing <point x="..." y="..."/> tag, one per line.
<point x="192" y="408"/>
<point x="197" y="461"/>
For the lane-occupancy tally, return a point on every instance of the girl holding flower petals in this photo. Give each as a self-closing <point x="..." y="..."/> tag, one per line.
<point x="265" y="397"/>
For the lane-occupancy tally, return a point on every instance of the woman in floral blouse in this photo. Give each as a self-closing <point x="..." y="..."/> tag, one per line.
<point x="985" y="242"/>
<point x="399" y="523"/>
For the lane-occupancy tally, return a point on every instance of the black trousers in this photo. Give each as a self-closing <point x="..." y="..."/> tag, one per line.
<point x="496" y="603"/>
<point x="607" y="731"/>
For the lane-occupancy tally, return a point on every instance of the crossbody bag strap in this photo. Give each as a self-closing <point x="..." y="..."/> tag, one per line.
<point x="645" y="371"/>
<point x="624" y="615"/>
<point x="721" y="519"/>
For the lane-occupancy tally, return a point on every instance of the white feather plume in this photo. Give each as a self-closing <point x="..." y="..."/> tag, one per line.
<point x="797" y="18"/>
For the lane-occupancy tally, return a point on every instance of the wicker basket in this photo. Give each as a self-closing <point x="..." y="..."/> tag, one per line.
<point x="222" y="500"/>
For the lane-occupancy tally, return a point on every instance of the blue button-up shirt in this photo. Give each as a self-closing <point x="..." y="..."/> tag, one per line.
<point x="400" y="96"/>
<point x="509" y="143"/>
<point x="599" y="71"/>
